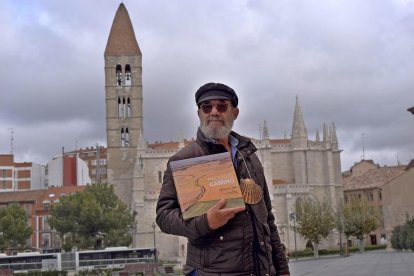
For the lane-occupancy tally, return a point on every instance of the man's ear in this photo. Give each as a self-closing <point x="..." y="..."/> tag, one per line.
<point x="235" y="112"/>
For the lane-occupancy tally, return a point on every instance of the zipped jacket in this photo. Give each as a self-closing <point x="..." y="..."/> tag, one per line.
<point x="249" y="244"/>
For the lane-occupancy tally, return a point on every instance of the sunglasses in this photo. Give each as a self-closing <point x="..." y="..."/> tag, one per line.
<point x="221" y="107"/>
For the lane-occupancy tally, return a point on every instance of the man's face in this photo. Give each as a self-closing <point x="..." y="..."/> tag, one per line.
<point x="216" y="118"/>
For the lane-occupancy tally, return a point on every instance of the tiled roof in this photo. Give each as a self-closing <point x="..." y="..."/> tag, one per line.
<point x="37" y="195"/>
<point x="372" y="178"/>
<point x="167" y="145"/>
<point x="122" y="41"/>
<point x="21" y="196"/>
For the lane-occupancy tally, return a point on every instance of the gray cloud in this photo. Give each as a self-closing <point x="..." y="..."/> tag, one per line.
<point x="350" y="62"/>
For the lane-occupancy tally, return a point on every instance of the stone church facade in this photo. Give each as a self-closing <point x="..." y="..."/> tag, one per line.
<point x="294" y="168"/>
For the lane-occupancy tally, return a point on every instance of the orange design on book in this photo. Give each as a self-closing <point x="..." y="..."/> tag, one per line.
<point x="202" y="181"/>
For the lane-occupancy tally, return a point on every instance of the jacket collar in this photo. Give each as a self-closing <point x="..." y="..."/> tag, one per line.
<point x="245" y="145"/>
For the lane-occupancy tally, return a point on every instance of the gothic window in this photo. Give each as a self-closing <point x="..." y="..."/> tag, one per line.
<point x="128" y="107"/>
<point x="127" y="75"/>
<point x="118" y="75"/>
<point x="124" y="110"/>
<point x="124" y="137"/>
<point x="120" y="107"/>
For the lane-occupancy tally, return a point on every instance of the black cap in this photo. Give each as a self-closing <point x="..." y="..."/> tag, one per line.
<point x="216" y="91"/>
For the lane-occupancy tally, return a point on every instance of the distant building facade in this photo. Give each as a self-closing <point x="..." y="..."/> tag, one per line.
<point x="294" y="168"/>
<point x="67" y="170"/>
<point x="36" y="204"/>
<point x="397" y="197"/>
<point x="366" y="180"/>
<point x="15" y="176"/>
<point x="95" y="159"/>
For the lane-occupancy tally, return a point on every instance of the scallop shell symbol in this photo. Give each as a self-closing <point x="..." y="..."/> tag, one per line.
<point x="252" y="193"/>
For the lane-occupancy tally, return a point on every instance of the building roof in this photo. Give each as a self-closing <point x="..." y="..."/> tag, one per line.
<point x="21" y="196"/>
<point x="372" y="178"/>
<point x="121" y="40"/>
<point x="37" y="196"/>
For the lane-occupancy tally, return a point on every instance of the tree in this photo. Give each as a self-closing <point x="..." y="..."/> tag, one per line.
<point x="314" y="221"/>
<point x="14" y="229"/>
<point x="403" y="235"/>
<point x="94" y="218"/>
<point x="359" y="220"/>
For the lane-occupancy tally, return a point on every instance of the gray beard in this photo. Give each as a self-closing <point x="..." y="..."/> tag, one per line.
<point x="216" y="133"/>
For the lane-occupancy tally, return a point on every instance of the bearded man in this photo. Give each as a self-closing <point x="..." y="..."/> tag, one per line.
<point x="236" y="241"/>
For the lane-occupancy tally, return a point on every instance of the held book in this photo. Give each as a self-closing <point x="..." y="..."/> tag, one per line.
<point x="202" y="181"/>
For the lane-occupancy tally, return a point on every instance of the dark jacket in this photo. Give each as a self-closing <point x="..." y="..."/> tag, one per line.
<point x="248" y="244"/>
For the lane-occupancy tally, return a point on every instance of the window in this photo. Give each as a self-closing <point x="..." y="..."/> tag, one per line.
<point x="380" y="195"/>
<point x="45" y="225"/>
<point x="118" y="75"/>
<point x="370" y="196"/>
<point x="124" y="137"/>
<point x="45" y="240"/>
<point x="120" y="107"/>
<point x="46" y="204"/>
<point x="160" y="177"/>
<point x="128" y="107"/>
<point x="127" y="75"/>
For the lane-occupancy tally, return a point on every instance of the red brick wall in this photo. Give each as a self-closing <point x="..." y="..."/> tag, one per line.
<point x="69" y="171"/>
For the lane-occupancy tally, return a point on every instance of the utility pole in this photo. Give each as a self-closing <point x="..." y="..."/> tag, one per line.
<point x="292" y="216"/>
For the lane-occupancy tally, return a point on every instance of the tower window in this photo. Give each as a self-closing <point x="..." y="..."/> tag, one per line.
<point x="118" y="75"/>
<point x="128" y="107"/>
<point x="127" y="75"/>
<point x="120" y="108"/>
<point x="159" y="176"/>
<point x="124" y="137"/>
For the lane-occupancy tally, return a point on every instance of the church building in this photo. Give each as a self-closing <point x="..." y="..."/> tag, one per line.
<point x="294" y="167"/>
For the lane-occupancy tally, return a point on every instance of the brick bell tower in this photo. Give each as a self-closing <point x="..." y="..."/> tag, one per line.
<point x="123" y="96"/>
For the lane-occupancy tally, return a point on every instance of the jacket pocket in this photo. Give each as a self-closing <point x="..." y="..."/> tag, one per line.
<point x="225" y="249"/>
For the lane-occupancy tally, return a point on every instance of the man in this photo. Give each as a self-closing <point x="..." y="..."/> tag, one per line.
<point x="235" y="241"/>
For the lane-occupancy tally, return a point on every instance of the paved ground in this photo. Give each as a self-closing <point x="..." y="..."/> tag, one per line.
<point x="378" y="263"/>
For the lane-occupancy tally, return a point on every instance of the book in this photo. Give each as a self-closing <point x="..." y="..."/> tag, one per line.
<point x="202" y="181"/>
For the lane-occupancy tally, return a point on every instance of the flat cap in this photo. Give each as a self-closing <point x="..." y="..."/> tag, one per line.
<point x="216" y="91"/>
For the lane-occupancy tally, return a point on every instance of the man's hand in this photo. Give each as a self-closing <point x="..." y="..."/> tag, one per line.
<point x="218" y="215"/>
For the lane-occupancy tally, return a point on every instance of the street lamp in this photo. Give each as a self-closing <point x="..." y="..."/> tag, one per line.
<point x="155" y="245"/>
<point x="153" y="228"/>
<point x="292" y="216"/>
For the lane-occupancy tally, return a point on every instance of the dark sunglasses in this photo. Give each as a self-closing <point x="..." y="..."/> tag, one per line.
<point x="221" y="107"/>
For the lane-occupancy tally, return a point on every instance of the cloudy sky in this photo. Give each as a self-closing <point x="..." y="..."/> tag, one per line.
<point x="350" y="62"/>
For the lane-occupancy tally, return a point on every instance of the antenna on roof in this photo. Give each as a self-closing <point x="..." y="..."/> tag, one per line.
<point x="363" y="146"/>
<point x="11" y="139"/>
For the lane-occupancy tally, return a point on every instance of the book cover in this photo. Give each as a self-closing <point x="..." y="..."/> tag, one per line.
<point x="202" y="181"/>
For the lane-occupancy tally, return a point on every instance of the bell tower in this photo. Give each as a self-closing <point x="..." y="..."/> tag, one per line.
<point x="123" y="96"/>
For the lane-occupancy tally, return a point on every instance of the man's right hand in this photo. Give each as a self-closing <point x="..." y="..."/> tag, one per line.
<point x="218" y="215"/>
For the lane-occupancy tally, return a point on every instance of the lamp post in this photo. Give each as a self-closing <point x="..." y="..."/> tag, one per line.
<point x="292" y="216"/>
<point x="155" y="244"/>
<point x="153" y="229"/>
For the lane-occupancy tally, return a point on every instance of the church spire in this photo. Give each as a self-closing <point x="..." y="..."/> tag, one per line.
<point x="122" y="41"/>
<point x="334" y="138"/>
<point x="298" y="128"/>
<point x="299" y="132"/>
